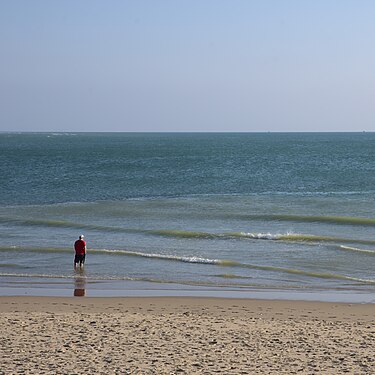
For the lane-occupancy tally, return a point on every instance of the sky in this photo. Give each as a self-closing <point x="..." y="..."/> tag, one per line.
<point x="187" y="65"/>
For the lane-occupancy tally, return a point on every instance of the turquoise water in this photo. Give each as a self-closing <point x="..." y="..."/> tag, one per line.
<point x="213" y="213"/>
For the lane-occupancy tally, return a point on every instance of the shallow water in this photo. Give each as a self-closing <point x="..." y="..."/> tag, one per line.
<point x="226" y="213"/>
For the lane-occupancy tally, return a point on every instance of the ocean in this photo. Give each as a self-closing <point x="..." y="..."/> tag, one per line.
<point x="253" y="215"/>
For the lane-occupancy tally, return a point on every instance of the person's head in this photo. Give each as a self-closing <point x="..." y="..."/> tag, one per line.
<point x="81" y="237"/>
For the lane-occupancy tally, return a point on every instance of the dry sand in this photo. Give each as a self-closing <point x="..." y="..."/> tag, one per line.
<point x="55" y="335"/>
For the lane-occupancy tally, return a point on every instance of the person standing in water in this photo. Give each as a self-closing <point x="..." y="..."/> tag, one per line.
<point x="80" y="252"/>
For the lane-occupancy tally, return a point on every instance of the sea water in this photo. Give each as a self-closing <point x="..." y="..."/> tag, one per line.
<point x="244" y="214"/>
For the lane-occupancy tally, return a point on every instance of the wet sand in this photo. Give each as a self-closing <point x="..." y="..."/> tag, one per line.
<point x="183" y="335"/>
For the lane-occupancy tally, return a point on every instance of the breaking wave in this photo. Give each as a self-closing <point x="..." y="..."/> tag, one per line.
<point x="176" y="233"/>
<point x="208" y="261"/>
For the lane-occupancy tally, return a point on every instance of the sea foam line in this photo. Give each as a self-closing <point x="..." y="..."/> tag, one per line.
<point x="355" y="249"/>
<point x="298" y="237"/>
<point x="185" y="259"/>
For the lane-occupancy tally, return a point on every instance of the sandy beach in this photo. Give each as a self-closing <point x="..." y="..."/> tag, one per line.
<point x="169" y="335"/>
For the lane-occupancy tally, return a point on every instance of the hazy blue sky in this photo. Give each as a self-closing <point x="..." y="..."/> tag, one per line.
<point x="187" y="65"/>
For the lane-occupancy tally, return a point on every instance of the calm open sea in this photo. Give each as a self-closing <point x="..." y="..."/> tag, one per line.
<point x="205" y="214"/>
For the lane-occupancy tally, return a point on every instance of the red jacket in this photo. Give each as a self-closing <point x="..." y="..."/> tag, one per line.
<point x="80" y="247"/>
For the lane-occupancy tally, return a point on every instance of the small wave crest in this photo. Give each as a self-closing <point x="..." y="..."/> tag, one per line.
<point x="186" y="259"/>
<point x="356" y="249"/>
<point x="254" y="236"/>
<point x="183" y="234"/>
<point x="66" y="224"/>
<point x="340" y="220"/>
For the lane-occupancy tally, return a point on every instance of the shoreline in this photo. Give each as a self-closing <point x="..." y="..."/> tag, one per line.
<point x="143" y="289"/>
<point x="64" y="304"/>
<point x="185" y="335"/>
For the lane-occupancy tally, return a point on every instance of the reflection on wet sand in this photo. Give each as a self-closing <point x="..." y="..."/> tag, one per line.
<point x="80" y="284"/>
